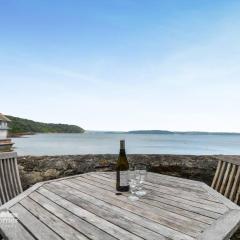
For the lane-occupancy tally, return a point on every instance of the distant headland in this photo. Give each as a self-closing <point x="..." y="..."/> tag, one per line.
<point x="179" y="132"/>
<point x="166" y="132"/>
<point x="20" y="126"/>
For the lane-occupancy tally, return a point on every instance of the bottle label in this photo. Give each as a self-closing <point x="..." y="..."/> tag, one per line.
<point x="124" y="178"/>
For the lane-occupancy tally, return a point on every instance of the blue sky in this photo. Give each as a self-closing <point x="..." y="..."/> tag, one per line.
<point x="122" y="64"/>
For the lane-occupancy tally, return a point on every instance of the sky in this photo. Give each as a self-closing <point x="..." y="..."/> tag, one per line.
<point x="122" y="64"/>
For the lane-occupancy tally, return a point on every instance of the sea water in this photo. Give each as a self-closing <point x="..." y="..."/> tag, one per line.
<point x="102" y="143"/>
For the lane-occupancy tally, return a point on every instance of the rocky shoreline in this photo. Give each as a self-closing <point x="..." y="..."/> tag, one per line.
<point x="19" y="134"/>
<point x="35" y="169"/>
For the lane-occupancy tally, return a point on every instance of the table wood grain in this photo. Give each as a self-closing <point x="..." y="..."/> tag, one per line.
<point x="86" y="207"/>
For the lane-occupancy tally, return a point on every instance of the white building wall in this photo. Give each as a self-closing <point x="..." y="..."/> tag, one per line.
<point x="3" y="134"/>
<point x="3" y="125"/>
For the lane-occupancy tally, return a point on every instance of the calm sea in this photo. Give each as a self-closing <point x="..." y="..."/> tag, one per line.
<point x="94" y="143"/>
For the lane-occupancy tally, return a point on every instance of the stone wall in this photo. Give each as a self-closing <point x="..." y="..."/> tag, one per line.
<point x="36" y="169"/>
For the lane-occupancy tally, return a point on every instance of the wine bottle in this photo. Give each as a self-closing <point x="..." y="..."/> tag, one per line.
<point x="122" y="184"/>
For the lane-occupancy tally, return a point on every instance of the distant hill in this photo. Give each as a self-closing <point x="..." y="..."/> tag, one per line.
<point x="151" y="132"/>
<point x="25" y="126"/>
<point x="176" y="132"/>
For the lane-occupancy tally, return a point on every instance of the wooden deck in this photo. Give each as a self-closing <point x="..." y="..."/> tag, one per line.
<point x="86" y="207"/>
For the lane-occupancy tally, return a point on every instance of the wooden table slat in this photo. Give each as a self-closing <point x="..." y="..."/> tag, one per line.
<point x="196" y="197"/>
<point x="144" y="211"/>
<point x="14" y="230"/>
<point x="223" y="228"/>
<point x="163" y="180"/>
<point x="148" y="199"/>
<point x="86" y="207"/>
<point x="105" y="184"/>
<point x="71" y="219"/>
<point x="217" y="208"/>
<point x="162" y="212"/>
<point x="100" y="222"/>
<point x="78" y="196"/>
<point x="36" y="227"/>
<point x="185" y="206"/>
<point x="57" y="225"/>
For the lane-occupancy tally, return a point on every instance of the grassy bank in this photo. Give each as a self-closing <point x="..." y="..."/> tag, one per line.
<point x="20" y="126"/>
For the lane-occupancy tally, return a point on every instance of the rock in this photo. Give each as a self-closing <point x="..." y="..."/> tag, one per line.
<point x="30" y="178"/>
<point x="50" y="174"/>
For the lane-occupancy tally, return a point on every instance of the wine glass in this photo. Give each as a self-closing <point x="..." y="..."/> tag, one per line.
<point x="133" y="184"/>
<point x="141" y="174"/>
<point x="133" y="189"/>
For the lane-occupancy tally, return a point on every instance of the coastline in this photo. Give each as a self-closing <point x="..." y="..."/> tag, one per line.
<point x="20" y="134"/>
<point x="35" y="169"/>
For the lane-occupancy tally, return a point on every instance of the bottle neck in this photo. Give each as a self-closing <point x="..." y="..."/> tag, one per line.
<point x="122" y="144"/>
<point x="122" y="151"/>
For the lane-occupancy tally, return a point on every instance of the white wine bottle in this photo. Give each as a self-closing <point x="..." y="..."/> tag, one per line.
<point x="122" y="184"/>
